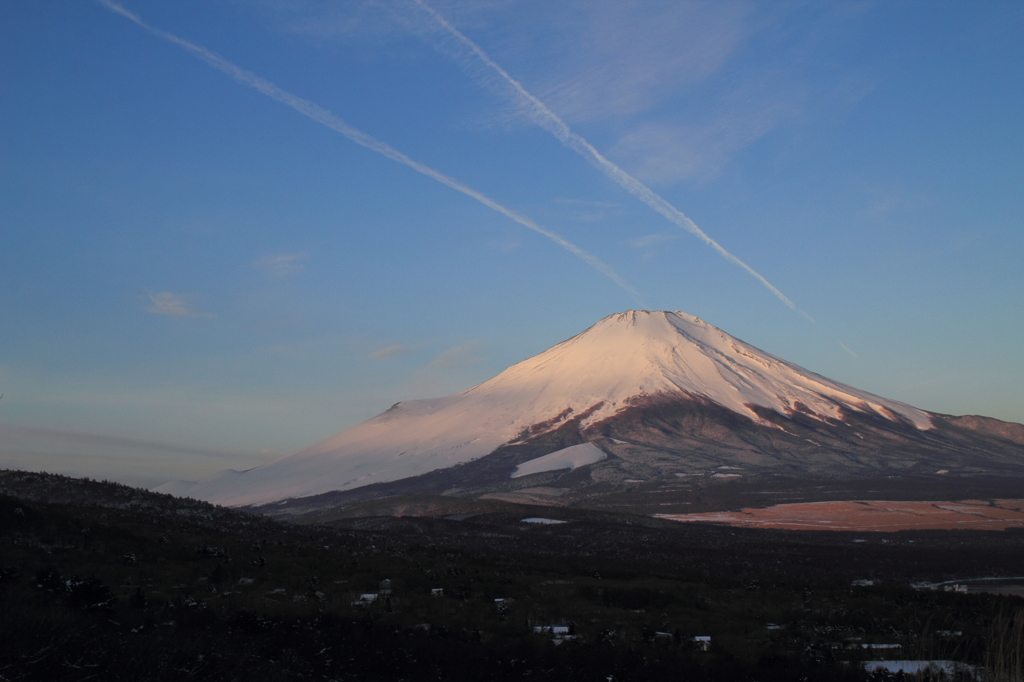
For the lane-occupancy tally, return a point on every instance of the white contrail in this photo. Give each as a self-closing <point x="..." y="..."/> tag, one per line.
<point x="325" y="117"/>
<point x="551" y="122"/>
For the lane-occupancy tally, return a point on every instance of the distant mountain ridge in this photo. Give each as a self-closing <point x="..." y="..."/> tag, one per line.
<point x="664" y="395"/>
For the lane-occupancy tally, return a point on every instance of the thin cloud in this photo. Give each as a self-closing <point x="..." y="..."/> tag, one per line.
<point x="651" y="240"/>
<point x="667" y="152"/>
<point x="504" y="246"/>
<point x="550" y="121"/>
<point x="624" y="61"/>
<point x="847" y="349"/>
<point x="129" y="460"/>
<point x="585" y="211"/>
<point x="166" y="303"/>
<point x="326" y="118"/>
<point x="585" y="202"/>
<point x="47" y="440"/>
<point x="887" y="201"/>
<point x="389" y="352"/>
<point x="456" y="356"/>
<point x="281" y="264"/>
<point x="353" y="19"/>
<point x="450" y="371"/>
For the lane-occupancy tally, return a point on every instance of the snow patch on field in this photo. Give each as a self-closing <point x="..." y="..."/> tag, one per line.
<point x="567" y="458"/>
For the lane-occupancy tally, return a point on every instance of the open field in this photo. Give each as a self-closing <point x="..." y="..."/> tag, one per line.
<point x="872" y="515"/>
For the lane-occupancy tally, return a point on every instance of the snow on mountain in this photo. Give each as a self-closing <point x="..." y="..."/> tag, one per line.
<point x="595" y="374"/>
<point x="567" y="458"/>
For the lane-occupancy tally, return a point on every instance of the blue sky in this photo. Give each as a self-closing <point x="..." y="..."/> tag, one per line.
<point x="196" y="276"/>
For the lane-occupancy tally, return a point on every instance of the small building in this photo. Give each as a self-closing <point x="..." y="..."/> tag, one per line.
<point x="556" y="630"/>
<point x="702" y="642"/>
<point x="365" y="599"/>
<point x="437" y="592"/>
<point x="559" y="633"/>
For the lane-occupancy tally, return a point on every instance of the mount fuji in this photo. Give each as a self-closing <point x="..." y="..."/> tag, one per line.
<point x="641" y="402"/>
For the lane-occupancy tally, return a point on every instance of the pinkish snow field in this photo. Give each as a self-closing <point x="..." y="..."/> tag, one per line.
<point x="872" y="515"/>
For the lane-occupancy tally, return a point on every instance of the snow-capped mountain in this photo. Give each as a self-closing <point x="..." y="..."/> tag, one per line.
<point x="591" y="387"/>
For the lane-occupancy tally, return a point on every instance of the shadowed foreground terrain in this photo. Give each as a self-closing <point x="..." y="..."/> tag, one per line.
<point x="102" y="581"/>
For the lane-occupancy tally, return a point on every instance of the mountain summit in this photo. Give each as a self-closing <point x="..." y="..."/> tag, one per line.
<point x="612" y="387"/>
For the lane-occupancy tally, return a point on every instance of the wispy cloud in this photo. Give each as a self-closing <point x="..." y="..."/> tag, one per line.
<point x="884" y="202"/>
<point x="650" y="240"/>
<point x="847" y="349"/>
<point x="352" y="19"/>
<point x="389" y="352"/>
<point x="551" y="122"/>
<point x="457" y="356"/>
<point x="586" y="211"/>
<point x="281" y="264"/>
<point x="94" y="442"/>
<point x="587" y="203"/>
<point x="504" y="245"/>
<point x="628" y="56"/>
<point x="449" y="371"/>
<point x="328" y="119"/>
<point x="237" y="423"/>
<point x="665" y="153"/>
<point x="754" y="104"/>
<point x="119" y="458"/>
<point x="166" y="303"/>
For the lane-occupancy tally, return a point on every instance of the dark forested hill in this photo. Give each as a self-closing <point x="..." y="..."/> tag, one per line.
<point x="101" y="581"/>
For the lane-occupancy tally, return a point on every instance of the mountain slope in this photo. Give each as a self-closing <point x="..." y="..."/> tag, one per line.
<point x="622" y="363"/>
